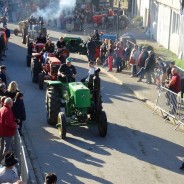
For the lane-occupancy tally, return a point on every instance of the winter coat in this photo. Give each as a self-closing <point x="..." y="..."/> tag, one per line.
<point x="150" y="63"/>
<point x="19" y="110"/>
<point x="7" y="123"/>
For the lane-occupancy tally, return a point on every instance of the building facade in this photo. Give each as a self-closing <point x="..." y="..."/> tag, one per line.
<point x="165" y="21"/>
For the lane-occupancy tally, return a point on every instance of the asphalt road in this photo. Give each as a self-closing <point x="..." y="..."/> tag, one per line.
<point x="139" y="147"/>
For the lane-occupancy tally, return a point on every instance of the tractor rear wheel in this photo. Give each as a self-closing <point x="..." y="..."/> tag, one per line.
<point x="24" y="35"/>
<point x="34" y="70"/>
<point x="62" y="125"/>
<point x="102" y="124"/>
<point x="52" y="104"/>
<point x="28" y="60"/>
<point x="16" y="32"/>
<point x="122" y="22"/>
<point x="40" y="80"/>
<point x="95" y="25"/>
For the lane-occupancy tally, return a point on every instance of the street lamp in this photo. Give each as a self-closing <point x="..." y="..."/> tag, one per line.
<point x="118" y="14"/>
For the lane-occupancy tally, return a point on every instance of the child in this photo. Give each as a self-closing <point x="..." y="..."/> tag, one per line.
<point x="19" y="110"/>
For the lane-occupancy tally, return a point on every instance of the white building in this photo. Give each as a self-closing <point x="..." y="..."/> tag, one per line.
<point x="165" y="21"/>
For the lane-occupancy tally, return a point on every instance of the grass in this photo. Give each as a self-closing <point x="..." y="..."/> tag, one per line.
<point x="162" y="52"/>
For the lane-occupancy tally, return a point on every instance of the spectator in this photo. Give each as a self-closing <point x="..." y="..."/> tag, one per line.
<point x="174" y="86"/>
<point x="127" y="53"/>
<point x="19" y="110"/>
<point x="3" y="90"/>
<point x="149" y="68"/>
<point x="103" y="50"/>
<point x="50" y="178"/>
<point x="7" y="173"/>
<point x="90" y="72"/>
<point x="134" y="59"/>
<point x="142" y="57"/>
<point x="118" y="57"/>
<point x="174" y="83"/>
<point x="91" y="50"/>
<point x="7" y="124"/>
<point x="12" y="89"/>
<point x="110" y="59"/>
<point x="3" y="74"/>
<point x="96" y="35"/>
<point x="7" y="32"/>
<point x="168" y="70"/>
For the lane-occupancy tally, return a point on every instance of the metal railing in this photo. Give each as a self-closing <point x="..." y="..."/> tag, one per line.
<point x="22" y="167"/>
<point x="171" y="105"/>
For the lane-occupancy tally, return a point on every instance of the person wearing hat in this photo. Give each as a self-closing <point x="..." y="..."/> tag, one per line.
<point x="3" y="74"/>
<point x="7" y="173"/>
<point x="67" y="72"/>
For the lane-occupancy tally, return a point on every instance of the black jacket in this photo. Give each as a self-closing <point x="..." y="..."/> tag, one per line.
<point x="150" y="63"/>
<point x="19" y="110"/>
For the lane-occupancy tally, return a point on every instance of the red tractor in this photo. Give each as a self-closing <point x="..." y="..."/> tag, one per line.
<point x="33" y="51"/>
<point x="49" y="71"/>
<point x="111" y="21"/>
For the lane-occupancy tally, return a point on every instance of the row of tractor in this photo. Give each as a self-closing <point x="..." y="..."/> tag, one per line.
<point x="71" y="102"/>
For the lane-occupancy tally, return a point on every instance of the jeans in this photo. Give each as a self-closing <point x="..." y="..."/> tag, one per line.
<point x="119" y="64"/>
<point x="7" y="144"/>
<point x="134" y="69"/>
<point x="91" y="57"/>
<point x="141" y="73"/>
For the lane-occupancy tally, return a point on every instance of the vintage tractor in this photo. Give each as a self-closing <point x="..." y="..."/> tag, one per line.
<point x="38" y="65"/>
<point x="33" y="52"/>
<point x="112" y="20"/>
<point x="73" y="43"/>
<point x="75" y="103"/>
<point x="29" y="31"/>
<point x="49" y="70"/>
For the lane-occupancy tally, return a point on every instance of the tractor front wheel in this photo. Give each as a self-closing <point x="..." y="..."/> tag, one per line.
<point x="41" y="80"/>
<point x="61" y="125"/>
<point x="102" y="124"/>
<point x="53" y="104"/>
<point x="34" y="70"/>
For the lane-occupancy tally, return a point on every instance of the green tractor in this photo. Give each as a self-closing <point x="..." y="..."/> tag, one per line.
<point x="75" y="103"/>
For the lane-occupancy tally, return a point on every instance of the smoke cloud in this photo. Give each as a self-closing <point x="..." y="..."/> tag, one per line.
<point x="55" y="9"/>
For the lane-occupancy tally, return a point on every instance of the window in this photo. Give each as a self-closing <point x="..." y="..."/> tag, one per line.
<point x="175" y="23"/>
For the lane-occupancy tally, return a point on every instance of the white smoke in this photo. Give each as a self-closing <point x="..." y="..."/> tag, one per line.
<point x="55" y="9"/>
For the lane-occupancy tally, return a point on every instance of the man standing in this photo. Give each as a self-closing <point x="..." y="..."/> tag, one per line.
<point x="7" y="124"/>
<point x="7" y="32"/>
<point x="91" y="50"/>
<point x="67" y="72"/>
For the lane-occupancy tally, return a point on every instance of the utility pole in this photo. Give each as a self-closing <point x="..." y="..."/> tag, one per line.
<point x="118" y="14"/>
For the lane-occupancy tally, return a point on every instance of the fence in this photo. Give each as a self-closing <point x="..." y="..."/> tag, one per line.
<point x="23" y="164"/>
<point x="171" y="105"/>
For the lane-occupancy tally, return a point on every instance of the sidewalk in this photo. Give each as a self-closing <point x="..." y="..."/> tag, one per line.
<point x="143" y="91"/>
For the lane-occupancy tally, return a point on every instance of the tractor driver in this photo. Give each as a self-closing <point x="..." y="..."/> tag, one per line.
<point x="67" y="72"/>
<point x="49" y="47"/>
<point x="41" y="39"/>
<point x="61" y="43"/>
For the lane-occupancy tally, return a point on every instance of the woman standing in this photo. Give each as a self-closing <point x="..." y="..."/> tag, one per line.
<point x="12" y="89"/>
<point x="19" y="110"/>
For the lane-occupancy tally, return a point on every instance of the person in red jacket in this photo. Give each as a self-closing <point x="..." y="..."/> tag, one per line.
<point x="7" y="125"/>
